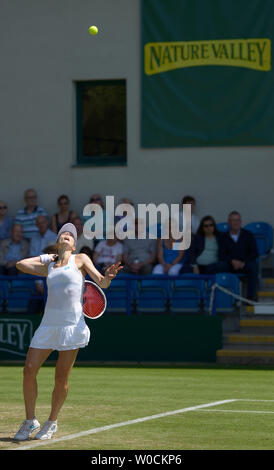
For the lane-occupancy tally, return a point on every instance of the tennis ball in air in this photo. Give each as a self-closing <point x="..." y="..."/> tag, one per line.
<point x="93" y="30"/>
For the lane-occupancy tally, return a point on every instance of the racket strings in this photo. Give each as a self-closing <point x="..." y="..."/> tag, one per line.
<point x="93" y="302"/>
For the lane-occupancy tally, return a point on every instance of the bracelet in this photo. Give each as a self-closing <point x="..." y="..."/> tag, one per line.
<point x="45" y="259"/>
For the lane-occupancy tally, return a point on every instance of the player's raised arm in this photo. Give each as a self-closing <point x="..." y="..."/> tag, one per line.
<point x="103" y="281"/>
<point x="35" y="265"/>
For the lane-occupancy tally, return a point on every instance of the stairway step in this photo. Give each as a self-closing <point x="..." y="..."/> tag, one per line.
<point x="254" y="343"/>
<point x="257" y="326"/>
<point x="266" y="293"/>
<point x="241" y="338"/>
<point x="249" y="308"/>
<point x="258" y="322"/>
<point x="246" y="353"/>
<point x="244" y="342"/>
<point x="238" y="356"/>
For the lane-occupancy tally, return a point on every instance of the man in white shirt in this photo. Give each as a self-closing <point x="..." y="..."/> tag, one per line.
<point x="107" y="252"/>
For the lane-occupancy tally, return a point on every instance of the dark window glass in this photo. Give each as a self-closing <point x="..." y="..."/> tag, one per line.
<point x="101" y="122"/>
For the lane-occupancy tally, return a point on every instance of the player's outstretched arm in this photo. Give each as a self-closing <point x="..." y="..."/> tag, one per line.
<point x="89" y="268"/>
<point x="34" y="265"/>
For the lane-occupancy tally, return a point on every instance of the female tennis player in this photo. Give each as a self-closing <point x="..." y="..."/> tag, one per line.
<point x="62" y="328"/>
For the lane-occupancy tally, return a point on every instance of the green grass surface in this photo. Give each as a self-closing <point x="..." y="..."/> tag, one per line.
<point x="100" y="396"/>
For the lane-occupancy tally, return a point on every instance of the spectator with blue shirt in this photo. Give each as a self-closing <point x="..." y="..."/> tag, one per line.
<point x="12" y="250"/>
<point x="27" y="216"/>
<point x="6" y="222"/>
<point x="170" y="258"/>
<point x="45" y="237"/>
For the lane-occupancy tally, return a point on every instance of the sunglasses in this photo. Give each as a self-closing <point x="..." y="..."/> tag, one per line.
<point x="3" y="207"/>
<point x="208" y="225"/>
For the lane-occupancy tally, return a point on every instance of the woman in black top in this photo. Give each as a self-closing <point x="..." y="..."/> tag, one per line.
<point x="64" y="215"/>
<point x="206" y="251"/>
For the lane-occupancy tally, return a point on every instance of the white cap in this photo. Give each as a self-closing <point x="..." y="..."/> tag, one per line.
<point x="68" y="228"/>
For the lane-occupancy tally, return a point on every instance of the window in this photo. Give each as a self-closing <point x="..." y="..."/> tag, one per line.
<point x="101" y="122"/>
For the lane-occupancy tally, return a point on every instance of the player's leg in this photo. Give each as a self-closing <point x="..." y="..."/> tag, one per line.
<point x="64" y="365"/>
<point x="35" y="358"/>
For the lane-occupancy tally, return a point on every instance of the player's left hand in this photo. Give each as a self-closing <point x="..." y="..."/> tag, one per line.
<point x="112" y="270"/>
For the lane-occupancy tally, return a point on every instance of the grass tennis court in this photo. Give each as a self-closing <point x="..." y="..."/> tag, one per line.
<point x="105" y="395"/>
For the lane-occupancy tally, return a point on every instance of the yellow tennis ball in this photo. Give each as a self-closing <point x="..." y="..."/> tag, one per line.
<point x="93" y="30"/>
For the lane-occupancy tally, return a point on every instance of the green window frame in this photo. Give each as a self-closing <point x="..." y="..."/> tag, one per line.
<point x="100" y="159"/>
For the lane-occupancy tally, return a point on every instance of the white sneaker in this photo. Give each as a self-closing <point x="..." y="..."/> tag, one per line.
<point x="26" y="429"/>
<point x="48" y="429"/>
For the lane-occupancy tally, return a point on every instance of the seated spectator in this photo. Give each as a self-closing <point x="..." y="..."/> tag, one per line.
<point x="205" y="253"/>
<point x="82" y="242"/>
<point x="107" y="252"/>
<point x="126" y="200"/>
<point x="87" y="251"/>
<point x="170" y="260"/>
<point x="12" y="250"/>
<point x="36" y="305"/>
<point x="64" y="215"/>
<point x="6" y="222"/>
<point x="27" y="216"/>
<point x="240" y="253"/>
<point x="139" y="254"/>
<point x="43" y="238"/>
<point x="97" y="199"/>
<point x="195" y="221"/>
<point x="117" y="218"/>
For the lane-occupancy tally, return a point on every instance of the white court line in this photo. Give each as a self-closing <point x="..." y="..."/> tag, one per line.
<point x="118" y="425"/>
<point x="247" y="399"/>
<point x="239" y="411"/>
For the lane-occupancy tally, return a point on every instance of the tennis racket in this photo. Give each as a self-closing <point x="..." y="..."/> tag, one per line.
<point x="94" y="300"/>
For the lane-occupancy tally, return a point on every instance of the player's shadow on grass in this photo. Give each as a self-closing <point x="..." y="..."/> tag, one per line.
<point x="7" y="439"/>
<point x="11" y="439"/>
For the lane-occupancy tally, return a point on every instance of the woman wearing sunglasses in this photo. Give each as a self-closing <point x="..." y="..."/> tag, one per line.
<point x="205" y="254"/>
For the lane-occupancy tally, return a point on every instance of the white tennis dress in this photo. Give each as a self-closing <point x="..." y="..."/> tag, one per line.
<point x="63" y="326"/>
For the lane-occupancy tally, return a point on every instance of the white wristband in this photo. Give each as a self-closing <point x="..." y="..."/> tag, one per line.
<point x="45" y="259"/>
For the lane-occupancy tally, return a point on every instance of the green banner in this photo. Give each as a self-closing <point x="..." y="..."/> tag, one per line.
<point x="207" y="77"/>
<point x="134" y="338"/>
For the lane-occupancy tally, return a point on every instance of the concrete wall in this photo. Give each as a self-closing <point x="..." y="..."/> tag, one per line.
<point x="45" y="47"/>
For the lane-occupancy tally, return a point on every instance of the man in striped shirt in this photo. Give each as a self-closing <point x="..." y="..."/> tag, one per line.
<point x="27" y="216"/>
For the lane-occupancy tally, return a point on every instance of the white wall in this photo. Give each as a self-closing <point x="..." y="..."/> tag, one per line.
<point x="45" y="47"/>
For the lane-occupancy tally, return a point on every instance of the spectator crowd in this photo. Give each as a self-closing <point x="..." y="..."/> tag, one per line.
<point x="32" y="232"/>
